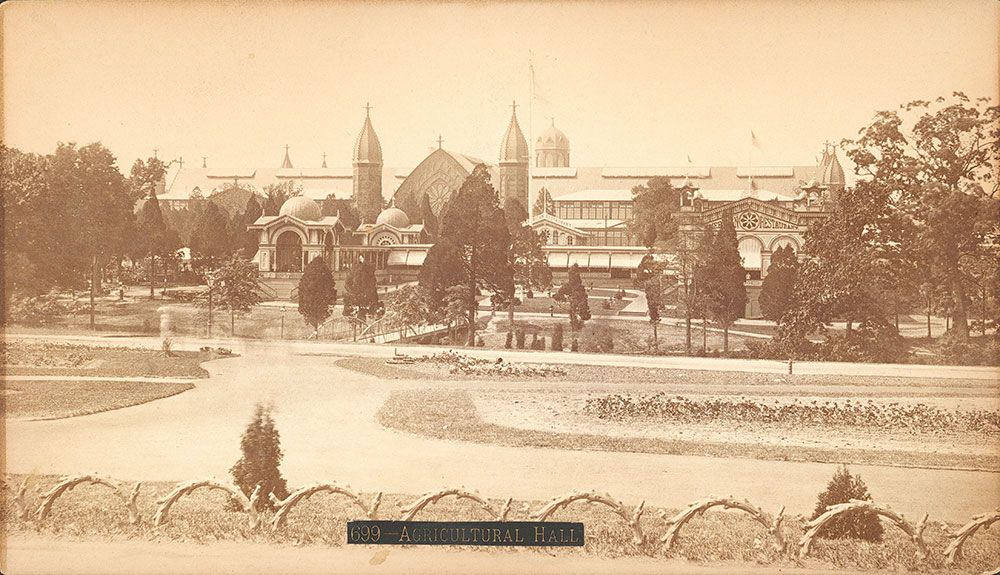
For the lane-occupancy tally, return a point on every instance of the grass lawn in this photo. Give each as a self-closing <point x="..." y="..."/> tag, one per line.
<point x="57" y="399"/>
<point x="93" y="512"/>
<point x="140" y="315"/>
<point x="541" y="302"/>
<point x="604" y="334"/>
<point x="25" y="357"/>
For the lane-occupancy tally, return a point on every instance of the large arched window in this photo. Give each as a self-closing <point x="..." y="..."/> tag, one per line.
<point x="289" y="252"/>
<point x="750" y="252"/>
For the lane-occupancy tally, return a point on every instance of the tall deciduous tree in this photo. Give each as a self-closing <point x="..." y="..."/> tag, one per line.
<point x="938" y="161"/>
<point x="722" y="280"/>
<point x="210" y="240"/>
<point x="236" y="288"/>
<point x="574" y="292"/>
<point x="653" y="208"/>
<point x="317" y="293"/>
<point x="101" y="224"/>
<point x="475" y="227"/>
<point x="779" y="283"/>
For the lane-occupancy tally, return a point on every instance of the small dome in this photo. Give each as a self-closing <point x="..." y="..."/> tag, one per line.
<point x="553" y="139"/>
<point x="394" y="217"/>
<point x="302" y="208"/>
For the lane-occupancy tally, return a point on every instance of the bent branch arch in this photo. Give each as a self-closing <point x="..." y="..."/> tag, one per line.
<point x="285" y="505"/>
<point x="164" y="504"/>
<point x="68" y="483"/>
<point x="697" y="508"/>
<point x="616" y="506"/>
<point x="915" y="532"/>
<point x="954" y="549"/>
<point x="428" y="498"/>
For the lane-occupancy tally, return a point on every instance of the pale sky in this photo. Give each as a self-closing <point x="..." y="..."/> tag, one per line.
<point x="631" y="84"/>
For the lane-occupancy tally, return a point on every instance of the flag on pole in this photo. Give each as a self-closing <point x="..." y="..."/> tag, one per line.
<point x="754" y="141"/>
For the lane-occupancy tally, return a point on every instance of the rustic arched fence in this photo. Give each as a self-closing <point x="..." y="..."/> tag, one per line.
<point x="250" y="505"/>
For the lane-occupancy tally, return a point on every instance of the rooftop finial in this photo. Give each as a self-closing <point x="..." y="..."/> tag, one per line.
<point x="514" y="106"/>
<point x="368" y="108"/>
<point x="440" y="141"/>
<point x="155" y="150"/>
<point x="204" y="161"/>
<point x="288" y="162"/>
<point x="553" y="121"/>
<point x="324" y="159"/>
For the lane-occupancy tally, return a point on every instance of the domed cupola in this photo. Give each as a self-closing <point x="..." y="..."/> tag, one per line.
<point x="394" y="217"/>
<point x="552" y="148"/>
<point x="302" y="208"/>
<point x="514" y="148"/>
<point x="367" y="149"/>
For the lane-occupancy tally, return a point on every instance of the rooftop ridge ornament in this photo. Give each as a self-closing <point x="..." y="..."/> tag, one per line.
<point x="324" y="159"/>
<point x="288" y="162"/>
<point x="440" y="140"/>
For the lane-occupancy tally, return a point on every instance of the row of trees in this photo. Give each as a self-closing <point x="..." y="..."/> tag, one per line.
<point x="917" y="233"/>
<point x="709" y="273"/>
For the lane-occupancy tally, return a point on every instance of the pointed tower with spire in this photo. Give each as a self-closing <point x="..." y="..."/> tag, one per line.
<point x="514" y="157"/>
<point x="831" y="173"/>
<point x="288" y="162"/>
<point x="367" y="197"/>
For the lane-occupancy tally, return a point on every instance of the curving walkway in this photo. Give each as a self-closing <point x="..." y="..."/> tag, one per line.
<point x="326" y="418"/>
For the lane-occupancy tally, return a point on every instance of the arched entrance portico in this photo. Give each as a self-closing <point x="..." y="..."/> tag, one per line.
<point x="288" y="252"/>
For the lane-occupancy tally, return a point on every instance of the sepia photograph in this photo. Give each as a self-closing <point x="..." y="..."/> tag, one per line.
<point x="451" y="287"/>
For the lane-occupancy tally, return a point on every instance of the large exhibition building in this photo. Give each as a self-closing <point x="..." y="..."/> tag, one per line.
<point x="583" y="215"/>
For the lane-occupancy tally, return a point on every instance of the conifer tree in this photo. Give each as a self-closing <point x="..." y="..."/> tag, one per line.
<point x="722" y="280"/>
<point x="574" y="292"/>
<point x="361" y="292"/>
<point x="317" y="293"/>
<point x="856" y="524"/>
<point x="777" y="287"/>
<point x="260" y="459"/>
<point x="474" y="236"/>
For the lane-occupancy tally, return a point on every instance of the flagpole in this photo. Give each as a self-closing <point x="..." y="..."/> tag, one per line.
<point x="531" y="155"/>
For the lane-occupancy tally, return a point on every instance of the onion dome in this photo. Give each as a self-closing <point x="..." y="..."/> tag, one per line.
<point x="367" y="149"/>
<point x="832" y="172"/>
<point x="302" y="208"/>
<point x="552" y="139"/>
<point x="514" y="147"/>
<point x="394" y="217"/>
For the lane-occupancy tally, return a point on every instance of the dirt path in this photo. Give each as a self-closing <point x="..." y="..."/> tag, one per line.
<point x="46" y="555"/>
<point x="326" y="418"/>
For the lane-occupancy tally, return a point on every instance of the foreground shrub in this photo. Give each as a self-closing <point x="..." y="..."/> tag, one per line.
<point x="557" y="337"/>
<point x="36" y="310"/>
<point x="857" y="524"/>
<point x="599" y="338"/>
<point x="261" y="448"/>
